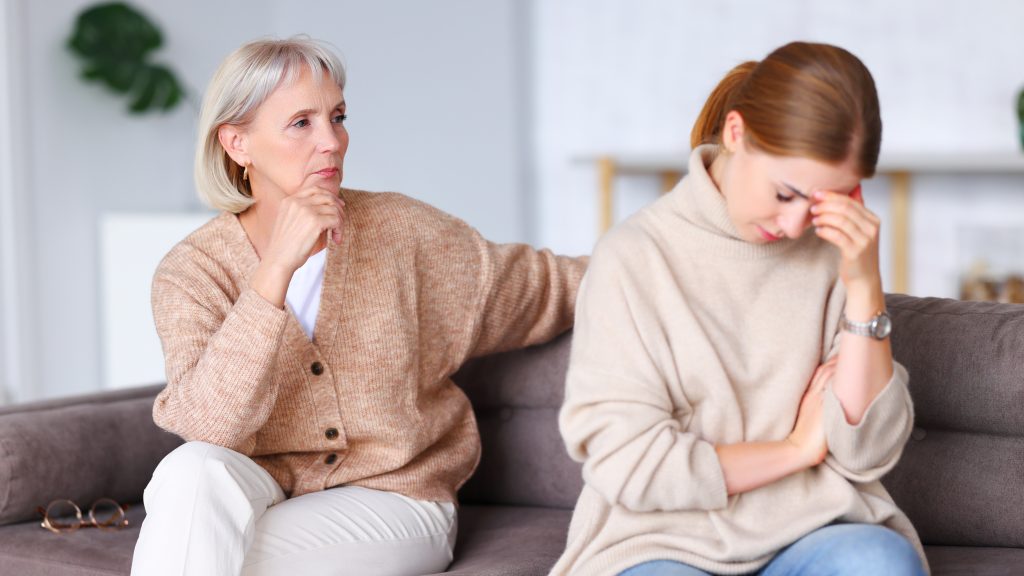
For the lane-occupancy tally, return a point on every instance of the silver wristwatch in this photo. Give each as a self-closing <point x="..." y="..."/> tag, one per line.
<point x="878" y="327"/>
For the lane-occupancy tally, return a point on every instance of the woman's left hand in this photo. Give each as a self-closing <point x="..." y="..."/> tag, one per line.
<point x="844" y="221"/>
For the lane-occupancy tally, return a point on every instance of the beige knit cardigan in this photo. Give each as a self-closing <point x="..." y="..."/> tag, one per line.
<point x="408" y="296"/>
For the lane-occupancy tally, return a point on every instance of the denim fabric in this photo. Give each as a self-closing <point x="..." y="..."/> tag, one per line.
<point x="836" y="550"/>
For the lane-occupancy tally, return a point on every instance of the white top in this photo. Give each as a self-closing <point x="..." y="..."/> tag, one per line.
<point x="303" y="295"/>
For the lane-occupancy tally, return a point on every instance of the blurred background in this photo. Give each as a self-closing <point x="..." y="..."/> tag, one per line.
<point x="514" y="115"/>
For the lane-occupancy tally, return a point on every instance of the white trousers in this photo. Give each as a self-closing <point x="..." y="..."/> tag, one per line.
<point x="212" y="511"/>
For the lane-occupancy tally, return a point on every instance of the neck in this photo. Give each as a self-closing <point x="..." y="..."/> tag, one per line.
<point x="717" y="171"/>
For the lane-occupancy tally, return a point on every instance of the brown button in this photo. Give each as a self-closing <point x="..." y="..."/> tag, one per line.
<point x="331" y="433"/>
<point x="317" y="368"/>
<point x="331" y="459"/>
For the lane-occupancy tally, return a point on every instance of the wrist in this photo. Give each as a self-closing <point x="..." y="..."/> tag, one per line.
<point x="796" y="457"/>
<point x="864" y="299"/>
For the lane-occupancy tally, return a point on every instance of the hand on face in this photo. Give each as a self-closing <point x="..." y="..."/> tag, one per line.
<point x="302" y="219"/>
<point x="845" y="222"/>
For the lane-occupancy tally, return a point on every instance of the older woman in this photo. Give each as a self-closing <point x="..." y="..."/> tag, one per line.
<point x="310" y="333"/>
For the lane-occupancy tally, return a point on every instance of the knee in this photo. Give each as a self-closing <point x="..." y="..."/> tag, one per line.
<point x="186" y="466"/>
<point x="878" y="551"/>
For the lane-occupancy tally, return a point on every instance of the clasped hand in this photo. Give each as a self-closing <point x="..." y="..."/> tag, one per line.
<point x="808" y="433"/>
<point x="302" y="218"/>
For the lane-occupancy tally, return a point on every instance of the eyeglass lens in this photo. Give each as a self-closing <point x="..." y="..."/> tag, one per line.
<point x="64" y="515"/>
<point x="105" y="513"/>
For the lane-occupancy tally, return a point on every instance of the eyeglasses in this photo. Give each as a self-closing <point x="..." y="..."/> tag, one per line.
<point x="65" y="516"/>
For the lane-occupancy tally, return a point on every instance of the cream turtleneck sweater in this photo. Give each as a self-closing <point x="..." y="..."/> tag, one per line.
<point x="686" y="337"/>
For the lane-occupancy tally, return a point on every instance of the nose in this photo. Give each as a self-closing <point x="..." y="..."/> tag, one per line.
<point x="329" y="138"/>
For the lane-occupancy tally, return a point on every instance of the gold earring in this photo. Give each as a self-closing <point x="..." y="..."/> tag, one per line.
<point x="245" y="172"/>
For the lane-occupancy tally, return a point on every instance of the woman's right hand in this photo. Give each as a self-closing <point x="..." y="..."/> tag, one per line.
<point x="301" y="221"/>
<point x="302" y="218"/>
<point x="808" y="433"/>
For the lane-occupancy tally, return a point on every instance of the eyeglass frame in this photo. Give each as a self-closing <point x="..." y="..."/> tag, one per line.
<point x="82" y="523"/>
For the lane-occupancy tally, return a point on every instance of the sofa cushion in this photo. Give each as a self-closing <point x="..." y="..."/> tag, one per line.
<point x="961" y="472"/>
<point x="508" y="541"/>
<point x="28" y="550"/>
<point x="80" y="449"/>
<point x="516" y="397"/>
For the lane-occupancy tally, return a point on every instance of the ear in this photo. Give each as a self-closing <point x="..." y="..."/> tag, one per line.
<point x="234" y="142"/>
<point x="732" y="131"/>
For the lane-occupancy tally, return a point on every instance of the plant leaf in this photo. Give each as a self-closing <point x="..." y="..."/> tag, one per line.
<point x="114" y="40"/>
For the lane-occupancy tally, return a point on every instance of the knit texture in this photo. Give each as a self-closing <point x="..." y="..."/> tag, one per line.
<point x="408" y="296"/>
<point x="686" y="337"/>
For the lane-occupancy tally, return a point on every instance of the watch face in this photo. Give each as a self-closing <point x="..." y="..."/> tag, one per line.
<point x="882" y="326"/>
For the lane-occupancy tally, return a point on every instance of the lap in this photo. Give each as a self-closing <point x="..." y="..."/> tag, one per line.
<point x="848" y="550"/>
<point x="835" y="550"/>
<point x="352" y="530"/>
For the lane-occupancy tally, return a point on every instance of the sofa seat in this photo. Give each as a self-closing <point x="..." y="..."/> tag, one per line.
<point x="493" y="541"/>
<point x="28" y="550"/>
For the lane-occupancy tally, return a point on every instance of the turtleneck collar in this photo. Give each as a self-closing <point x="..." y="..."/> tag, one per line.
<point x="700" y="203"/>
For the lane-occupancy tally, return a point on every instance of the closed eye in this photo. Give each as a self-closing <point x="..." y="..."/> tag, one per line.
<point x="782" y="198"/>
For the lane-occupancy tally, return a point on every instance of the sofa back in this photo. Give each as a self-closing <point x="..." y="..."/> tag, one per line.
<point x="961" y="477"/>
<point x="516" y="397"/>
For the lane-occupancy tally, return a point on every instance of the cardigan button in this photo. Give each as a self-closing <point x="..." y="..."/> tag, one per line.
<point x="331" y="459"/>
<point x="331" y="433"/>
<point x="317" y="368"/>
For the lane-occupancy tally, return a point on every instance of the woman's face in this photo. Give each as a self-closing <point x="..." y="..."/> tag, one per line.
<point x="297" y="139"/>
<point x="769" y="197"/>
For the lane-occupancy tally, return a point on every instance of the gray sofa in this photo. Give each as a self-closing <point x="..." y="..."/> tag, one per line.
<point x="961" y="479"/>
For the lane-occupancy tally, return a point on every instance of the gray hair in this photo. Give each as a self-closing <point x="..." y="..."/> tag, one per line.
<point x="240" y="86"/>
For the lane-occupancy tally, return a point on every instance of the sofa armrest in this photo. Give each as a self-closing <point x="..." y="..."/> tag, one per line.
<point x="81" y="449"/>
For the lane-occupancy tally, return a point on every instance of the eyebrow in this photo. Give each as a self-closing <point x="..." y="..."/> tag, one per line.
<point x="794" y="190"/>
<point x="305" y="111"/>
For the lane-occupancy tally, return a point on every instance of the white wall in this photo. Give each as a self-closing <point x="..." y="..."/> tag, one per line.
<point x="16" y="329"/>
<point x="618" y="76"/>
<point x="7" y="302"/>
<point x="434" y="108"/>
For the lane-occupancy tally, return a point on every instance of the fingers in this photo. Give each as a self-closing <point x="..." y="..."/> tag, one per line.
<point x="845" y="222"/>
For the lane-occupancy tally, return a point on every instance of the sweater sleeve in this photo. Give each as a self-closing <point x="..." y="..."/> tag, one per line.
<point x="219" y="365"/>
<point x="866" y="451"/>
<point x="619" y="418"/>
<point x="527" y="296"/>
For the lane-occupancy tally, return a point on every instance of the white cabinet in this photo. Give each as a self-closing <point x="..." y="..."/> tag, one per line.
<point x="131" y="247"/>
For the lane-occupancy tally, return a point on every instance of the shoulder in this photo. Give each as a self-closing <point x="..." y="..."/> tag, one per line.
<point x="634" y="244"/>
<point x="202" y="255"/>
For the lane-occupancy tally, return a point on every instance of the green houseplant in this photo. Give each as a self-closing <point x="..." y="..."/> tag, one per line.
<point x="115" y="42"/>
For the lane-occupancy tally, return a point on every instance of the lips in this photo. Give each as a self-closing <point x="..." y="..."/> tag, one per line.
<point x="768" y="235"/>
<point x="327" y="172"/>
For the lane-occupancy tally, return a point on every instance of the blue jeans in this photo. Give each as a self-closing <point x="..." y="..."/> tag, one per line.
<point x="835" y="550"/>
